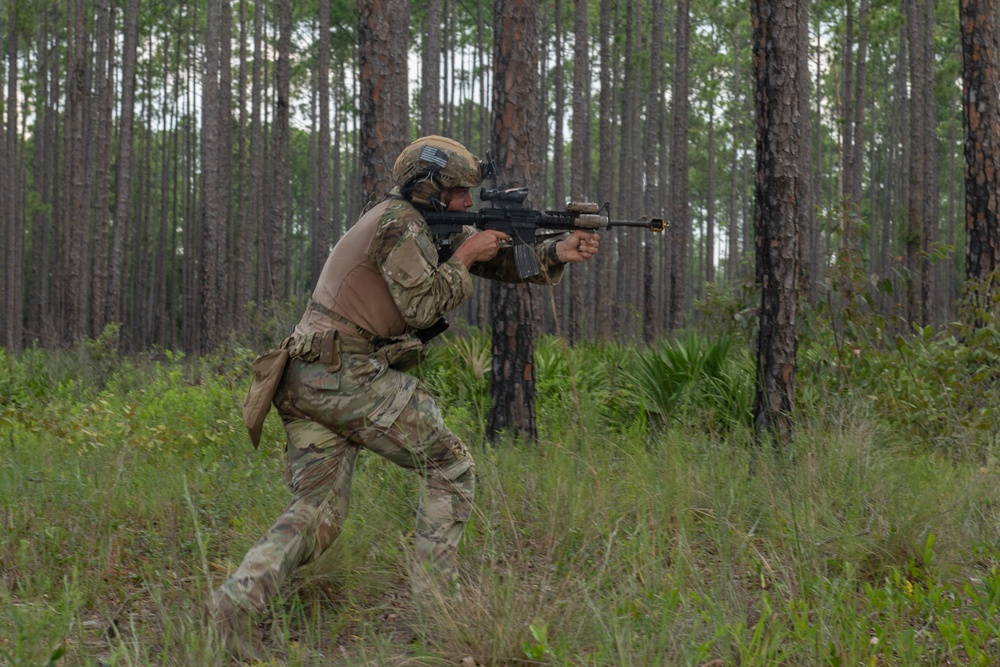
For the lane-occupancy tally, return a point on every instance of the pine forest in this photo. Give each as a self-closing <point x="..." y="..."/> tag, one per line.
<point x="766" y="432"/>
<point x="176" y="167"/>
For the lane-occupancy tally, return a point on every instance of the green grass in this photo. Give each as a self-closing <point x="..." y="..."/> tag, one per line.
<point x="627" y="536"/>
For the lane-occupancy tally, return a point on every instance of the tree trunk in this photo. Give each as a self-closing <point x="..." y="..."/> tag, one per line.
<point x="512" y="381"/>
<point x="224" y="110"/>
<point x="733" y="259"/>
<point x="777" y="86"/>
<point x="931" y="190"/>
<point x="915" y="224"/>
<point x="6" y="219"/>
<point x="190" y="229"/>
<point x="102" y="190"/>
<point x="902" y="179"/>
<point x="212" y="249"/>
<point x="679" y="212"/>
<point x="710" y="199"/>
<point x="816" y="263"/>
<point x="652" y="157"/>
<point x="243" y="283"/>
<point x="430" y="72"/>
<point x="279" y="158"/>
<point x="559" y="95"/>
<point x="42" y="233"/>
<point x="321" y="236"/>
<point x="256" y="218"/>
<point x="580" y="188"/>
<point x="161" y="258"/>
<point x="123" y="173"/>
<point x="382" y="49"/>
<point x="75" y="277"/>
<point x="605" y="178"/>
<point x="13" y="198"/>
<point x="981" y="113"/>
<point x="807" y="207"/>
<point x="624" y="298"/>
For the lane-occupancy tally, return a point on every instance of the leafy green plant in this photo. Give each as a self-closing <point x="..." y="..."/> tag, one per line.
<point x="730" y="393"/>
<point x="693" y="380"/>
<point x="457" y="372"/>
<point x="539" y="648"/>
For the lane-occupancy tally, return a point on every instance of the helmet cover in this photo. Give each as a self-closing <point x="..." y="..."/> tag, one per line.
<point x="431" y="164"/>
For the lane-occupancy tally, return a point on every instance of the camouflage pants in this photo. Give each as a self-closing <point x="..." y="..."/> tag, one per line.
<point x="329" y="417"/>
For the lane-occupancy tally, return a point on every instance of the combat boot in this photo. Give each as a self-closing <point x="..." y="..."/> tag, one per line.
<point x="235" y="628"/>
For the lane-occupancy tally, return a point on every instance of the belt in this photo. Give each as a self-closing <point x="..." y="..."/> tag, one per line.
<point x="323" y="310"/>
<point x="325" y="346"/>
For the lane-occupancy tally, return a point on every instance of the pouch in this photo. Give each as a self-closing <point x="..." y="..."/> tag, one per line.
<point x="267" y="371"/>
<point x="404" y="354"/>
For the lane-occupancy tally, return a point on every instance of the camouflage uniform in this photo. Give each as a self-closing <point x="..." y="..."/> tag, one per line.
<point x="329" y="414"/>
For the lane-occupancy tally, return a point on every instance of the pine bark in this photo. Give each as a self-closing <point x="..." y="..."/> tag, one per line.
<point x="430" y="72"/>
<point x="559" y="100"/>
<point x="243" y="285"/>
<point x="807" y="206"/>
<point x="256" y="217"/>
<point x="624" y="298"/>
<point x="981" y="117"/>
<point x="123" y="174"/>
<point x="212" y="246"/>
<point x="382" y="50"/>
<point x="13" y="209"/>
<point x="279" y="158"/>
<point x="512" y="380"/>
<point x="652" y="155"/>
<point x="777" y="86"/>
<point x="102" y="187"/>
<point x="224" y="113"/>
<point x="914" y="239"/>
<point x="42" y="233"/>
<point x="931" y="191"/>
<point x="605" y="179"/>
<point x="580" y="186"/>
<point x="679" y="211"/>
<point x="733" y="255"/>
<point x="710" y="199"/>
<point x="75" y="186"/>
<point x="321" y="236"/>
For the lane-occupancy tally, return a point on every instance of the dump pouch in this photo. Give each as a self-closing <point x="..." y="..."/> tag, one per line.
<point x="267" y="371"/>
<point x="402" y="354"/>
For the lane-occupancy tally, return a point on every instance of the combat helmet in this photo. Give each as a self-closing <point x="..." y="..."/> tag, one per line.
<point x="431" y="164"/>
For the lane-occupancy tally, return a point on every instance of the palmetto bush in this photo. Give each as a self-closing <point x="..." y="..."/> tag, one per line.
<point x="695" y="381"/>
<point x="730" y="393"/>
<point x="457" y="372"/>
<point x="581" y="382"/>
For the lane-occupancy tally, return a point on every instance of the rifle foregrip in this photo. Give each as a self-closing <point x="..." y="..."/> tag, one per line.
<point x="591" y="221"/>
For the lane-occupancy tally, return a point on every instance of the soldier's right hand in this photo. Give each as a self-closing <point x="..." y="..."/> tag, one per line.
<point x="481" y="247"/>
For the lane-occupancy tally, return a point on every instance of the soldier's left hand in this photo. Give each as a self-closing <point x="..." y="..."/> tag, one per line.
<point x="578" y="247"/>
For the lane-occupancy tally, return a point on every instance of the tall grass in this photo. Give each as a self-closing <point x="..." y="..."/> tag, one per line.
<point x="631" y="534"/>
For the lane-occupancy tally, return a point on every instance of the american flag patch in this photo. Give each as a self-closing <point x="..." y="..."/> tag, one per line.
<point x="434" y="156"/>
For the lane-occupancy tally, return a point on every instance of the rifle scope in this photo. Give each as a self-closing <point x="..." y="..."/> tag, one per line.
<point x="512" y="196"/>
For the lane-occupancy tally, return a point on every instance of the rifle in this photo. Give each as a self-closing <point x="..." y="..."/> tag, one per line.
<point x="522" y="224"/>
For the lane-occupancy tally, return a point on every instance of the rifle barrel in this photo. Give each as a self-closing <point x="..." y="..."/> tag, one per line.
<point x="654" y="225"/>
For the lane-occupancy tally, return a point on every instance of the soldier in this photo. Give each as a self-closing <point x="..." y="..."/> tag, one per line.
<point x="345" y="388"/>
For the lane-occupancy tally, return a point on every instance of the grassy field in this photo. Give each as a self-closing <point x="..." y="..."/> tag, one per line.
<point x="643" y="529"/>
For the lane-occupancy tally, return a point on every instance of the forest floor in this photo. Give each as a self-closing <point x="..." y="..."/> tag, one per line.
<point x="612" y="541"/>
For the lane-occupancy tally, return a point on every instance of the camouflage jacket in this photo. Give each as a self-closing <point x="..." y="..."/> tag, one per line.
<point x="424" y="288"/>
